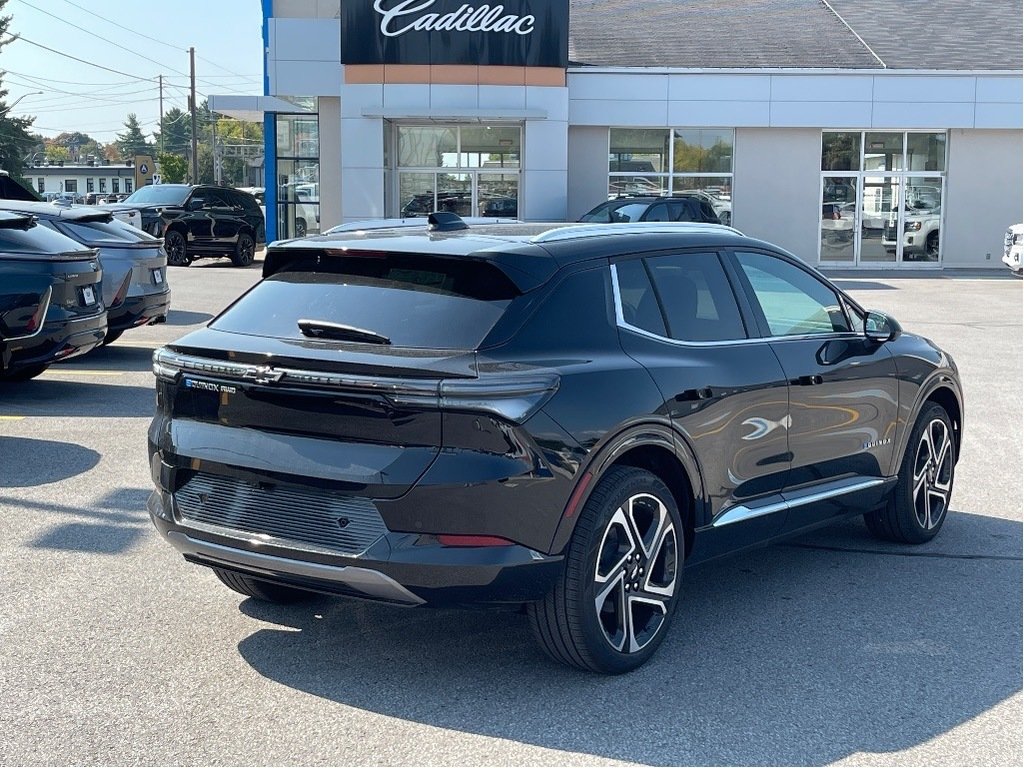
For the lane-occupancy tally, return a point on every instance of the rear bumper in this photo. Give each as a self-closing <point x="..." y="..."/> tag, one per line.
<point x="139" y="310"/>
<point x="57" y="341"/>
<point x="399" y="568"/>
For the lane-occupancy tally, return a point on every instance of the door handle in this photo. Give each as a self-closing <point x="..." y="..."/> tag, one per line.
<point x="808" y="381"/>
<point x="704" y="393"/>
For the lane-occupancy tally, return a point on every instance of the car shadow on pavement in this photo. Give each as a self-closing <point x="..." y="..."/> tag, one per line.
<point x="27" y="462"/>
<point x="798" y="654"/>
<point x="110" y="526"/>
<point x="179" y="317"/>
<point x="113" y="358"/>
<point x="71" y="397"/>
<point x="862" y="285"/>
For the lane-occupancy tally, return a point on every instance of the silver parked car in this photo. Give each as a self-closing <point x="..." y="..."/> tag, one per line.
<point x="135" y="289"/>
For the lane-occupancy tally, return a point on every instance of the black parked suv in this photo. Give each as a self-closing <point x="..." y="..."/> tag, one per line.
<point x="200" y="221"/>
<point x="470" y="416"/>
<point x="51" y="300"/>
<point x="637" y="208"/>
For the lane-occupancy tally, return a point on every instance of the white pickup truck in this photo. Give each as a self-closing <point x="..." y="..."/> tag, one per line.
<point x="1013" y="248"/>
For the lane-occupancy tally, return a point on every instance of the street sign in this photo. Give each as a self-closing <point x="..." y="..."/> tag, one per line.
<point x="156" y="178"/>
<point x="144" y="170"/>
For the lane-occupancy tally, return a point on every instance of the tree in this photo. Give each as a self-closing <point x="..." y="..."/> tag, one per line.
<point x="173" y="168"/>
<point x="80" y="146"/>
<point x="15" y="141"/>
<point x="56" y="153"/>
<point x="133" y="141"/>
<point x="175" y="135"/>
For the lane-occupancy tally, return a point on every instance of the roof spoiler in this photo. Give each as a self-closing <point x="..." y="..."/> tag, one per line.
<point x="445" y="221"/>
<point x="14" y="221"/>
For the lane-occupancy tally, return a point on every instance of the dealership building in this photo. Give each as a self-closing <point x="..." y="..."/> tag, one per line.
<point x="851" y="132"/>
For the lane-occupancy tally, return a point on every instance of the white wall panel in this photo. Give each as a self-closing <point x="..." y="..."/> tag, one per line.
<point x="330" y="162"/>
<point x="826" y="114"/>
<point x="629" y="87"/>
<point x="453" y="97"/>
<point x="729" y="114"/>
<point x="406" y="97"/>
<point x="699" y="87"/>
<point x="301" y="78"/>
<point x="355" y="98"/>
<point x="824" y="89"/>
<point x="364" y="142"/>
<point x="544" y="195"/>
<point x="546" y="146"/>
<point x="997" y="116"/>
<point x="1001" y="89"/>
<point x="306" y="39"/>
<point x="502" y="96"/>
<point x="588" y="168"/>
<point x="553" y="100"/>
<point x="924" y="88"/>
<point x="594" y="112"/>
<point x="362" y="190"/>
<point x="938" y="115"/>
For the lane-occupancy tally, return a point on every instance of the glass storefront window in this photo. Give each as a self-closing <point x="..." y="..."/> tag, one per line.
<point x="489" y="146"/>
<point x="883" y="152"/>
<point x="639" y="150"/>
<point x="635" y="184"/>
<point x="420" y="147"/>
<point x="926" y="151"/>
<point x="298" y="136"/>
<point x="702" y="150"/>
<point x="840" y="151"/>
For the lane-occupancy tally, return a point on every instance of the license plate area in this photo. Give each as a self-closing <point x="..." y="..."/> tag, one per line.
<point x="88" y="296"/>
<point x="158" y="277"/>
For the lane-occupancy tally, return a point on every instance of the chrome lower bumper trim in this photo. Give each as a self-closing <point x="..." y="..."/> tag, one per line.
<point x="371" y="583"/>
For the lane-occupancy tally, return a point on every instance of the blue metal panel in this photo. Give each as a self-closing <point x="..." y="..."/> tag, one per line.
<point x="270" y="172"/>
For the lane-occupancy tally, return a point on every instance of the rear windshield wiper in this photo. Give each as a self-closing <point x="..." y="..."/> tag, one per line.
<point x="322" y="329"/>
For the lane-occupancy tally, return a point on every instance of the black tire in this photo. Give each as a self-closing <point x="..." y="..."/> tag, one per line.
<point x="932" y="247"/>
<point x="726" y="218"/>
<point x="259" y="589"/>
<point x="918" y="505"/>
<point x="300" y="228"/>
<point x="177" y="249"/>
<point x="245" y="250"/>
<point x="23" y="374"/>
<point x="112" y="336"/>
<point x="568" y="623"/>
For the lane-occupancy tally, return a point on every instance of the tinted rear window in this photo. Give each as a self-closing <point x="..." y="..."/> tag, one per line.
<point x="36" y="239"/>
<point x="102" y="231"/>
<point x="418" y="302"/>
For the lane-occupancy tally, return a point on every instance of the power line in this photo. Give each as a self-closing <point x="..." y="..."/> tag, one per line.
<point x="68" y="82"/>
<point x="81" y="61"/>
<point x="98" y="37"/>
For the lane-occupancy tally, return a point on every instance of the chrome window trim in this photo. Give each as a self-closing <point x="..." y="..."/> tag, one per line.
<point x="741" y="512"/>
<point x="620" y="321"/>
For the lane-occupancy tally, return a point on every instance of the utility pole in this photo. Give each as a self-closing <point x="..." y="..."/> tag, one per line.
<point x="161" y="114"/>
<point x="216" y="157"/>
<point x="192" y="109"/>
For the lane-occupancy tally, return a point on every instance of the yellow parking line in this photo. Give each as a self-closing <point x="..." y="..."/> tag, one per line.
<point x="12" y="418"/>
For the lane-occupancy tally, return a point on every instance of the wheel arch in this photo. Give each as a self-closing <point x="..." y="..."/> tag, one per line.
<point x="943" y="391"/>
<point x="659" y="449"/>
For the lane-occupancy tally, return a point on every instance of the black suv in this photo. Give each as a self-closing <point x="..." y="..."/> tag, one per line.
<point x="200" y="221"/>
<point x="468" y="416"/>
<point x="51" y="299"/>
<point x="638" y="208"/>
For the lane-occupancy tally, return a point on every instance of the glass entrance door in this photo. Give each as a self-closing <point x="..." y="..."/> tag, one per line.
<point x="839" y="228"/>
<point x="879" y="217"/>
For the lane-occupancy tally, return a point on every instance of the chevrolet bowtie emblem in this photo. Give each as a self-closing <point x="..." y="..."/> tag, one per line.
<point x="264" y="374"/>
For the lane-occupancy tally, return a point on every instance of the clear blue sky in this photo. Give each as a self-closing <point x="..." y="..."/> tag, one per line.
<point x="226" y="34"/>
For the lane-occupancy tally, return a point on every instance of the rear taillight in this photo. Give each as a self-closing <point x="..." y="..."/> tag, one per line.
<point x="515" y="397"/>
<point x="36" y="321"/>
<point x="122" y="291"/>
<point x="460" y="540"/>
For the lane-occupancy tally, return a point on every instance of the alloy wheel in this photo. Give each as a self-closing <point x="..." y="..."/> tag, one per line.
<point x="635" y="578"/>
<point x="933" y="474"/>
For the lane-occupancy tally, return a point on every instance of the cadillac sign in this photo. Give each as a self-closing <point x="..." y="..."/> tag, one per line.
<point x="531" y="33"/>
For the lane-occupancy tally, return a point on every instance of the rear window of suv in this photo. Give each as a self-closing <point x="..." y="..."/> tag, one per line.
<point x="415" y="301"/>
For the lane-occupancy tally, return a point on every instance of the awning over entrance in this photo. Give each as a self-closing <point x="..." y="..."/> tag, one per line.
<point x="251" y="108"/>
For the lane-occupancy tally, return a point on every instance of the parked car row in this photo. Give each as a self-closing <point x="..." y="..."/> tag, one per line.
<point x="72" y="279"/>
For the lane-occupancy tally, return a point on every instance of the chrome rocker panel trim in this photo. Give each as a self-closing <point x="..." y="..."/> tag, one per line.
<point x="742" y="512"/>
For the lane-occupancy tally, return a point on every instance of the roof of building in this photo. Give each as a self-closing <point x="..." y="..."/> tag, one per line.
<point x="812" y="34"/>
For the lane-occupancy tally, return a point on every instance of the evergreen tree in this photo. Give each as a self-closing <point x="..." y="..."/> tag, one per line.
<point x="175" y="134"/>
<point x="133" y="141"/>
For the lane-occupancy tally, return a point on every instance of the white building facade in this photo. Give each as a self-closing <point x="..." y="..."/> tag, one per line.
<point x="818" y="144"/>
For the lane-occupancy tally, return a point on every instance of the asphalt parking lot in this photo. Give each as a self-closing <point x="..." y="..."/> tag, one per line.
<point x="830" y="648"/>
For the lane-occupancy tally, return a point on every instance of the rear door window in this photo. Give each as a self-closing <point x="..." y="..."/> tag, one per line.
<point x="698" y="301"/>
<point x="414" y="301"/>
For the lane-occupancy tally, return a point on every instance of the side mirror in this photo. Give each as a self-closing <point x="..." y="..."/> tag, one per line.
<point x="196" y="205"/>
<point x="880" y="327"/>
